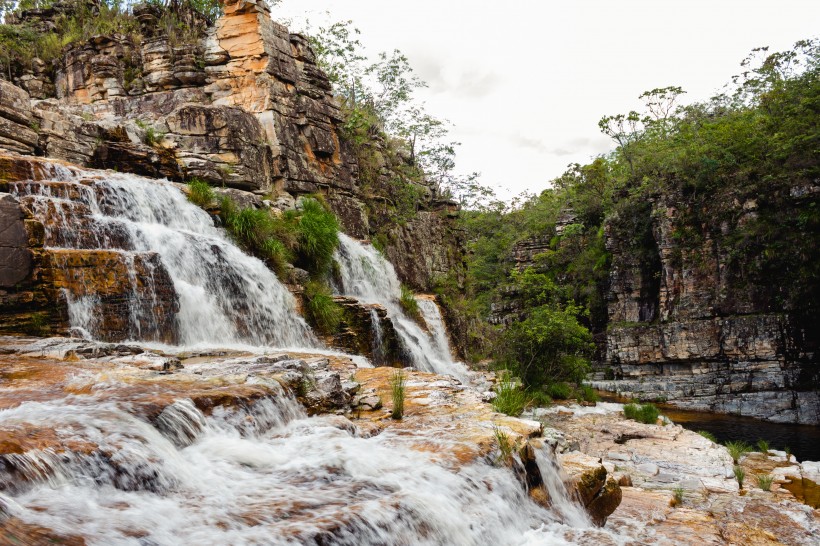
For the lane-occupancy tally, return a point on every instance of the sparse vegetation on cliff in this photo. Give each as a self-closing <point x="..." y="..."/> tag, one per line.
<point x="643" y="413"/>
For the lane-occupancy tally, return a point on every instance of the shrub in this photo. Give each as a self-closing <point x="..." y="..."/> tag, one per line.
<point x="510" y="399"/>
<point x="737" y="449"/>
<point x="38" y="325"/>
<point x="763" y="446"/>
<point x="646" y="413"/>
<point x="764" y="481"/>
<point x="549" y="346"/>
<point x="397" y="389"/>
<point x="539" y="398"/>
<point x="200" y="192"/>
<point x="740" y="475"/>
<point x="708" y="435"/>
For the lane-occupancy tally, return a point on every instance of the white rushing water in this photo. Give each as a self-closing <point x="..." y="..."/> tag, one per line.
<point x="265" y="474"/>
<point x="367" y="276"/>
<point x="225" y="296"/>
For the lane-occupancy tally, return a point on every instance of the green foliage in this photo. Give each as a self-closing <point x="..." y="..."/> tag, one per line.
<point x="764" y="481"/>
<point x="740" y="475"/>
<point x="737" y="449"/>
<point x="38" y="325"/>
<point x="708" y="435"/>
<point x="558" y="391"/>
<point x="409" y="305"/>
<point x="505" y="446"/>
<point x="548" y="346"/>
<point x="307" y="236"/>
<point x="678" y="495"/>
<point x="510" y="399"/>
<point x="763" y="446"/>
<point x="397" y="390"/>
<point x="317" y="232"/>
<point x="645" y="413"/>
<point x="152" y="137"/>
<point x="200" y="192"/>
<point x="788" y="451"/>
<point x="586" y="393"/>
<point x="321" y="310"/>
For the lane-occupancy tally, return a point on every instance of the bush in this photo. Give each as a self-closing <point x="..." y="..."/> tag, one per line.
<point x="547" y="347"/>
<point x="646" y="413"/>
<point x="737" y="449"/>
<point x="322" y="311"/>
<point x="708" y="435"/>
<point x="510" y="398"/>
<point x="200" y="192"/>
<point x="397" y="389"/>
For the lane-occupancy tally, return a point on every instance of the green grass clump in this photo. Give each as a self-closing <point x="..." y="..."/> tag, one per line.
<point x="559" y="391"/>
<point x="510" y="399"/>
<point x="764" y="481"/>
<point x="737" y="449"/>
<point x="318" y="235"/>
<point x="409" y="305"/>
<point x="788" y="451"/>
<point x="708" y="435"/>
<point x="740" y="475"/>
<point x="645" y="413"/>
<point x="586" y="393"/>
<point x="763" y="446"/>
<point x="505" y="446"/>
<point x="397" y="389"/>
<point x="678" y="496"/>
<point x="322" y="311"/>
<point x="200" y="192"/>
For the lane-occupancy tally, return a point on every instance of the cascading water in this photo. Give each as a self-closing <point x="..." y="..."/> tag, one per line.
<point x="367" y="276"/>
<point x="224" y="295"/>
<point x="261" y="473"/>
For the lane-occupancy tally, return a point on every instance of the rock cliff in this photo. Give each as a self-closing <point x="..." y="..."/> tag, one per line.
<point x="240" y="103"/>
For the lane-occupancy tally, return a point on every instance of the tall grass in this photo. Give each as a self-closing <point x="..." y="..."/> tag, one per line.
<point x="318" y="235"/>
<point x="764" y="481"/>
<point x="740" y="475"/>
<point x="505" y="446"/>
<point x="322" y="311"/>
<point x="510" y="399"/>
<point x="397" y="390"/>
<point x="738" y="449"/>
<point x="763" y="446"/>
<point x="409" y="304"/>
<point x="708" y="435"/>
<point x="200" y="192"/>
<point x="646" y="413"/>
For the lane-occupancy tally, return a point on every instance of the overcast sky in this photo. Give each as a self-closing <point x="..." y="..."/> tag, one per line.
<point x="525" y="82"/>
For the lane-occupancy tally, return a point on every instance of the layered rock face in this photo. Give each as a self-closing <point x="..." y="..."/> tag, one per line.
<point x="685" y="324"/>
<point x="240" y="104"/>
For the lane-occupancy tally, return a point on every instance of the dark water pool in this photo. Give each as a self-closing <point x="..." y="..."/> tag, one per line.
<point x="804" y="440"/>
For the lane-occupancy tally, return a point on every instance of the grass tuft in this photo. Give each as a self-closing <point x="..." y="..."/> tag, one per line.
<point x="505" y="446"/>
<point x="200" y="192"/>
<point x="764" y="481"/>
<point x="322" y="311"/>
<point x="677" y="499"/>
<point x="763" y="446"/>
<point x="740" y="475"/>
<point x="397" y="389"/>
<point x="410" y="305"/>
<point x="708" y="435"/>
<point x="645" y="413"/>
<point x="510" y="398"/>
<point x="737" y="449"/>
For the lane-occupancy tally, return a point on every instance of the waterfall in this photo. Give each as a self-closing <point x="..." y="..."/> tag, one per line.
<point x="378" y="336"/>
<point x="224" y="295"/>
<point x="262" y="473"/>
<point x="367" y="276"/>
